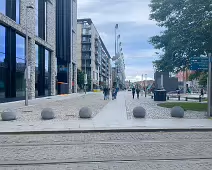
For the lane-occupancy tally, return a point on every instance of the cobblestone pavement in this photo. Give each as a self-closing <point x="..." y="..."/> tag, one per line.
<point x="154" y="111"/>
<point x="107" y="151"/>
<point x="66" y="109"/>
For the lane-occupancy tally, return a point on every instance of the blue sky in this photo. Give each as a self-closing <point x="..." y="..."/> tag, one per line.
<point x="135" y="29"/>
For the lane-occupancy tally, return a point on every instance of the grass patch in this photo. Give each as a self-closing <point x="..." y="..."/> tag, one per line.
<point x="186" y="106"/>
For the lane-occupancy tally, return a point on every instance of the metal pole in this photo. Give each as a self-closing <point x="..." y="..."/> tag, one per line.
<point x="85" y="76"/>
<point x="209" y="86"/>
<point x="145" y="83"/>
<point x="26" y="58"/>
<point x="115" y="40"/>
<point x="162" y="81"/>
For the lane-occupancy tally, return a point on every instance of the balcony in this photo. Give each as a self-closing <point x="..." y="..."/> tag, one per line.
<point x="86" y="33"/>
<point x="87" y="65"/>
<point x="97" y="60"/>
<point x="86" y="49"/>
<point x="87" y="57"/>
<point x="86" y="26"/>
<point x="86" y="41"/>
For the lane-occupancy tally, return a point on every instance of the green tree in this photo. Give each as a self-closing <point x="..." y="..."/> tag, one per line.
<point x="187" y="31"/>
<point x="80" y="78"/>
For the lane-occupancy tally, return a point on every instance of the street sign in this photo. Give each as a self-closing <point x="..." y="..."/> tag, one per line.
<point x="199" y="63"/>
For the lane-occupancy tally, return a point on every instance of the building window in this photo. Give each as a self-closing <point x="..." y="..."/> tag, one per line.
<point x="20" y="65"/>
<point x="36" y="70"/>
<point x="36" y="17"/>
<point x="45" y="20"/>
<point x="47" y="71"/>
<point x="3" y="7"/>
<point x="18" y="11"/>
<point x="2" y="62"/>
<point x="41" y="18"/>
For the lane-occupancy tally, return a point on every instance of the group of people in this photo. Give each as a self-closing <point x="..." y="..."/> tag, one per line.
<point x="106" y="92"/>
<point x="137" y="91"/>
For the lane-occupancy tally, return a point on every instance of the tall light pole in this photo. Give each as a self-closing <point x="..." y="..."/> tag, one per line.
<point x="209" y="85"/>
<point x="27" y="70"/>
<point x="116" y="28"/>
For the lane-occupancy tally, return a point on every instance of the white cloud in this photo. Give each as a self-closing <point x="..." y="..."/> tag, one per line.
<point x="116" y="11"/>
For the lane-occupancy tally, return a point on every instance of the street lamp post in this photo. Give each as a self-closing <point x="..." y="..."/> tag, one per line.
<point x="209" y="85"/>
<point x="27" y="70"/>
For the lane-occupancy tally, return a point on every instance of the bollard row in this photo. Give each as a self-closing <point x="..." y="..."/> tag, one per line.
<point x="46" y="114"/>
<point x="140" y="112"/>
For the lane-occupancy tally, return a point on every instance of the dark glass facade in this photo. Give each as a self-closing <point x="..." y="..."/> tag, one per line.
<point x="63" y="39"/>
<point x="20" y="66"/>
<point x="41" y="18"/>
<point x="42" y="71"/>
<point x="3" y="66"/>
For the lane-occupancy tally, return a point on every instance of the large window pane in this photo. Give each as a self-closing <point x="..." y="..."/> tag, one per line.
<point x="36" y="70"/>
<point x="2" y="60"/>
<point x="18" y="11"/>
<point x="2" y="44"/>
<point x="36" y="17"/>
<point x="20" y="65"/>
<point x="47" y="71"/>
<point x="3" y="6"/>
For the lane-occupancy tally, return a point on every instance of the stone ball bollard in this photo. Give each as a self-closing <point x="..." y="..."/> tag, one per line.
<point x="8" y="115"/>
<point x="85" y="112"/>
<point x="177" y="111"/>
<point x="47" y="114"/>
<point x="139" y="112"/>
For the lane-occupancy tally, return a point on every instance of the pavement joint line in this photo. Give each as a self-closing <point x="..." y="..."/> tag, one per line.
<point x="71" y="161"/>
<point x="108" y="130"/>
<point x="183" y="141"/>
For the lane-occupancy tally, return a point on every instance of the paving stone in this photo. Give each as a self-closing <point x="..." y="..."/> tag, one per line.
<point x="155" y="112"/>
<point x="110" y="149"/>
<point x="66" y="109"/>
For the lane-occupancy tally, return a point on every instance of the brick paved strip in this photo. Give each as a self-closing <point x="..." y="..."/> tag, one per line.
<point x="103" y="152"/>
<point x="144" y="165"/>
<point x="104" y="137"/>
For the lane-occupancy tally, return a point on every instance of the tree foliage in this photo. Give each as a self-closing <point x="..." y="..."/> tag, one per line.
<point x="187" y="31"/>
<point x="80" y="78"/>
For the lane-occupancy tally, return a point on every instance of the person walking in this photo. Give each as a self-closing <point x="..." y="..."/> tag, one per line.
<point x="105" y="93"/>
<point x="133" y="92"/>
<point x="113" y="93"/>
<point x="202" y="92"/>
<point x="137" y="92"/>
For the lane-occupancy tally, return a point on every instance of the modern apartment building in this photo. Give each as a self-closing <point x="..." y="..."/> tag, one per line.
<point x="92" y="55"/>
<point x="66" y="38"/>
<point x="38" y="18"/>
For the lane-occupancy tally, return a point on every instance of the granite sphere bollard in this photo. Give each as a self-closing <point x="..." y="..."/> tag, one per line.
<point x="139" y="112"/>
<point x="8" y="115"/>
<point x="47" y="114"/>
<point x="177" y="111"/>
<point x="85" y="112"/>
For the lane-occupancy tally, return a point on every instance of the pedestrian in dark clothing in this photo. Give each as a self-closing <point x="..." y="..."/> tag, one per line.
<point x="113" y="93"/>
<point x="105" y="91"/>
<point x="133" y="92"/>
<point x="202" y="92"/>
<point x="137" y="92"/>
